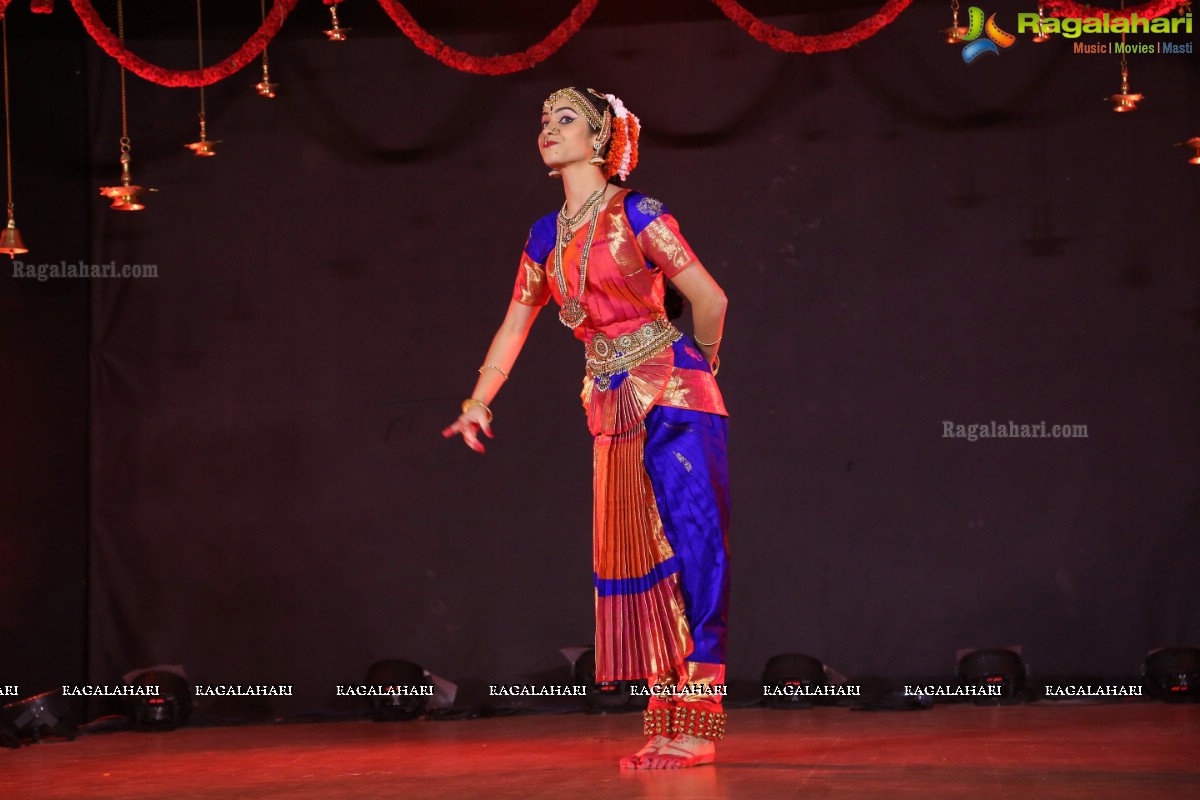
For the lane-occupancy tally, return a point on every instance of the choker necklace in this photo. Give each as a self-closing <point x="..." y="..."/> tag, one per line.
<point x="572" y="312"/>
<point x="571" y="222"/>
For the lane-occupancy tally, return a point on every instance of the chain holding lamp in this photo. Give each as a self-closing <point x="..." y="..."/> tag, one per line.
<point x="1194" y="142"/>
<point x="955" y="32"/>
<point x="1125" y="100"/>
<point x="337" y="33"/>
<point x="204" y="147"/>
<point x="1042" y="34"/>
<point x="10" y="238"/>
<point x="126" y="196"/>
<point x="264" y="87"/>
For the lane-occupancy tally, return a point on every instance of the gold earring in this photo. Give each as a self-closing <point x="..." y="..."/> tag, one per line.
<point x="555" y="173"/>
<point x="597" y="160"/>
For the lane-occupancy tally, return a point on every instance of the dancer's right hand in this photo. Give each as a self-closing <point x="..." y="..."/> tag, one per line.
<point x="469" y="424"/>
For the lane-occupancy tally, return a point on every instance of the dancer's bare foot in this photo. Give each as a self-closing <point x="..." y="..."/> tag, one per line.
<point x="650" y="748"/>
<point x="682" y="751"/>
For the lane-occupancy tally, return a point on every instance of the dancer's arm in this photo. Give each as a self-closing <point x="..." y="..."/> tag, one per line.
<point x="708" y="308"/>
<point x="501" y="356"/>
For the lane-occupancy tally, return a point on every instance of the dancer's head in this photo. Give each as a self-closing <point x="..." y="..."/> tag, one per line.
<point x="591" y="128"/>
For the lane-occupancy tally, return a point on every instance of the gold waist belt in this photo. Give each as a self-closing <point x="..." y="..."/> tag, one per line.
<point x="607" y="357"/>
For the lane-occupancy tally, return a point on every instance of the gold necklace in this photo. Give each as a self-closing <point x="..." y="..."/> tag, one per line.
<point x="572" y="312"/>
<point x="571" y="222"/>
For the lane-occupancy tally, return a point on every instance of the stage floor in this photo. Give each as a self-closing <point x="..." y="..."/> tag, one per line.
<point x="1096" y="752"/>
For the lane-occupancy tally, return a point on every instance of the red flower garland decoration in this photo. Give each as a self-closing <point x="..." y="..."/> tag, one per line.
<point x="489" y="65"/>
<point x="109" y="42"/>
<point x="788" y="42"/>
<point x="775" y="37"/>
<point x="1067" y="8"/>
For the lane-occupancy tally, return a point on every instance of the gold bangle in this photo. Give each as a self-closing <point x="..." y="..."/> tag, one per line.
<point x="471" y="401"/>
<point x="493" y="366"/>
<point x="708" y="344"/>
<point x="716" y="366"/>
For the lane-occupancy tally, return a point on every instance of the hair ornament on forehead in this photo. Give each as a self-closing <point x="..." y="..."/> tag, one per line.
<point x="577" y="99"/>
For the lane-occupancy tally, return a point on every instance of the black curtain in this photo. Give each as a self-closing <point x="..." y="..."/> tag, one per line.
<point x="43" y="367"/>
<point x="906" y="240"/>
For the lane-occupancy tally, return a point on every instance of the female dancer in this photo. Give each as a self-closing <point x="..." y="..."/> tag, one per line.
<point x="661" y="500"/>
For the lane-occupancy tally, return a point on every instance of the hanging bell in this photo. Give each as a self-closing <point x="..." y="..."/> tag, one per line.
<point x="10" y="239"/>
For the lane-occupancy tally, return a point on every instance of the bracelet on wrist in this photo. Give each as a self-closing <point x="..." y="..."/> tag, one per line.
<point x="471" y="401"/>
<point x="716" y="365"/>
<point x="493" y="366"/>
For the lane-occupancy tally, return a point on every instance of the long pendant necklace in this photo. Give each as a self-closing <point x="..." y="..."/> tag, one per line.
<point x="572" y="312"/>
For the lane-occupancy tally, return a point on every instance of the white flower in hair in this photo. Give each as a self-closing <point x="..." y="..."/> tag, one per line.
<point x="622" y="113"/>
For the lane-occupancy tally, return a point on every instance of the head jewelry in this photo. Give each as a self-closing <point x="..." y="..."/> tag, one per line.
<point x="615" y="123"/>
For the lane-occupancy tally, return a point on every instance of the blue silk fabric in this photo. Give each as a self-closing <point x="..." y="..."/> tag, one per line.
<point x="639" y="219"/>
<point x="686" y="460"/>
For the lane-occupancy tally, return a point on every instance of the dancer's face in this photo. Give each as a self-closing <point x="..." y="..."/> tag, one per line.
<point x="565" y="137"/>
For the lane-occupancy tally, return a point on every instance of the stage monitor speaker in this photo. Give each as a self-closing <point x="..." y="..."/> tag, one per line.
<point x="787" y="676"/>
<point x="1173" y="674"/>
<point x="610" y="695"/>
<point x="164" y="711"/>
<point x="999" y="667"/>
<point x="45" y="713"/>
<point x="407" y="679"/>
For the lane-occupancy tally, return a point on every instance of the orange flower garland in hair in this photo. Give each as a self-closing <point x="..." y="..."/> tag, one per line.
<point x="616" y="146"/>
<point x="623" y="141"/>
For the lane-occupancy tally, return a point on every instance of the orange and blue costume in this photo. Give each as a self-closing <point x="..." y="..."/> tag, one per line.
<point x="661" y="483"/>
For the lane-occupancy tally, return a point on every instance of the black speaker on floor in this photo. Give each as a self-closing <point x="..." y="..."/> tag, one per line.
<point x="1173" y="674"/>
<point x="608" y="696"/>
<point x="169" y="707"/>
<point x="788" y="677"/>
<point x="996" y="667"/>
<point x="408" y="679"/>
<point x="43" y="714"/>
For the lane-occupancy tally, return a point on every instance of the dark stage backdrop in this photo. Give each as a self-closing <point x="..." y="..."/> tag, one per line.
<point x="905" y="240"/>
<point x="43" y="372"/>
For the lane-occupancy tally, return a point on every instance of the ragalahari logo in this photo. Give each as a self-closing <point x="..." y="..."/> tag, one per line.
<point x="996" y="38"/>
